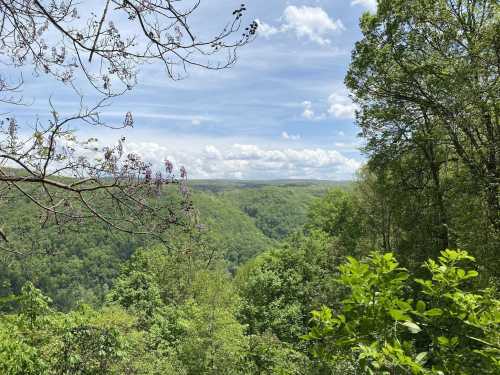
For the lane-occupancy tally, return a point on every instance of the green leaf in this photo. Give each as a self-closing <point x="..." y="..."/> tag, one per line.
<point x="403" y="305"/>
<point x="401" y="276"/>
<point x="434" y="312"/>
<point x="443" y="341"/>
<point x="421" y="357"/>
<point x="412" y="327"/>
<point x="398" y="315"/>
<point x="471" y="274"/>
<point x="420" y="306"/>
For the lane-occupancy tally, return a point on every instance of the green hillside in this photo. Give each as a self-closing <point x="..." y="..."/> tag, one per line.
<point x="74" y="265"/>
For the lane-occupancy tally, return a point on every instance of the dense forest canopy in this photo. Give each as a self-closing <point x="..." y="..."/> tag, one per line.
<point x="115" y="268"/>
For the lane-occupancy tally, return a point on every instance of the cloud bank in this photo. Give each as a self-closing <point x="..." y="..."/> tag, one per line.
<point x="250" y="161"/>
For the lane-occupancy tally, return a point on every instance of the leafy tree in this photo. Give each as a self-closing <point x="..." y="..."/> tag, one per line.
<point x="425" y="77"/>
<point x="280" y="287"/>
<point x="268" y="355"/>
<point x="188" y="318"/>
<point x="212" y="340"/>
<point x="18" y="354"/>
<point x="337" y="214"/>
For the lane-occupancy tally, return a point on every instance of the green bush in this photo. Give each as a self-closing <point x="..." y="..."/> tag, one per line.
<point x="448" y="328"/>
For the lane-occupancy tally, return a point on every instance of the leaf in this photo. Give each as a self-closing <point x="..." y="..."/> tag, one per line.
<point x="398" y="315"/>
<point x="443" y="341"/>
<point x="434" y="312"/>
<point x="471" y="274"/>
<point x="403" y="305"/>
<point x="420" y="306"/>
<point x="421" y="357"/>
<point x="401" y="276"/>
<point x="412" y="327"/>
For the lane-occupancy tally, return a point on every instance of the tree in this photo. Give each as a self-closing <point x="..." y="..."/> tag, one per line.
<point x="279" y="287"/>
<point x="337" y="214"/>
<point x="425" y="78"/>
<point x="67" y="188"/>
<point x="107" y="46"/>
<point x="72" y="44"/>
<point x="425" y="75"/>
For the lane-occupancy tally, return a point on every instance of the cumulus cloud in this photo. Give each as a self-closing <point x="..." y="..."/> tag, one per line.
<point x="212" y="153"/>
<point x="292" y="137"/>
<point x="308" y="112"/>
<point x="266" y="30"/>
<point x="371" y="5"/>
<point x="250" y="161"/>
<point x="312" y="23"/>
<point x="341" y="106"/>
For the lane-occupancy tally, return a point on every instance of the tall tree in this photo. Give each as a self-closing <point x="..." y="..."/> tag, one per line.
<point x="433" y="65"/>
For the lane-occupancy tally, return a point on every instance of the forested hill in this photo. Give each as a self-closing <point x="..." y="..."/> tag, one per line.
<point x="276" y="207"/>
<point x="228" y="185"/>
<point x="240" y="219"/>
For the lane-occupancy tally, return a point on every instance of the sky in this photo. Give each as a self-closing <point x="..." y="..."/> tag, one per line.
<point x="281" y="112"/>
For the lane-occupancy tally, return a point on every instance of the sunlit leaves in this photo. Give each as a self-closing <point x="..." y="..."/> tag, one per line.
<point x="449" y="328"/>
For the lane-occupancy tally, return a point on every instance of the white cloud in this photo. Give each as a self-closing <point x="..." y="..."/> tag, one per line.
<point x="341" y="133"/>
<point x="341" y="106"/>
<point x="212" y="153"/>
<point x="308" y="112"/>
<point x="309" y="22"/>
<point x="196" y="121"/>
<point x="250" y="161"/>
<point x="266" y="30"/>
<point x="368" y="4"/>
<point x="292" y="137"/>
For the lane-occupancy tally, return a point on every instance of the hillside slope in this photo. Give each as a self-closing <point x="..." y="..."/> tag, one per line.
<point x="74" y="266"/>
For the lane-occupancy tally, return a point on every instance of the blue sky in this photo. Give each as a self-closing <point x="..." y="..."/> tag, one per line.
<point x="281" y="111"/>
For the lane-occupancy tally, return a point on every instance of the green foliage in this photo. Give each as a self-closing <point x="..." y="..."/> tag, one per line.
<point x="41" y="341"/>
<point x="88" y="350"/>
<point x="425" y="78"/>
<point x="449" y="329"/>
<point x="277" y="211"/>
<point x="16" y="356"/>
<point x="269" y="356"/>
<point x="188" y="320"/>
<point x="229" y="231"/>
<point x="281" y="286"/>
<point x="337" y="214"/>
